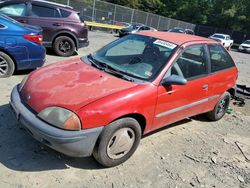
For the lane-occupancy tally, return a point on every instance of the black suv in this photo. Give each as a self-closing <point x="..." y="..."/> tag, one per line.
<point x="63" y="29"/>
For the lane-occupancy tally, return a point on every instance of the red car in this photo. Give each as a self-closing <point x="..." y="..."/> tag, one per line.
<point x="103" y="103"/>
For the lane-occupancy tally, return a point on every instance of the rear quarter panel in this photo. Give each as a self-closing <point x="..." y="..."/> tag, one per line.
<point x="220" y="82"/>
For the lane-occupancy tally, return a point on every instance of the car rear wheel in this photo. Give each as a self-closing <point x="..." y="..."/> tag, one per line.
<point x="220" y="108"/>
<point x="64" y="46"/>
<point x="117" y="142"/>
<point x="7" y="66"/>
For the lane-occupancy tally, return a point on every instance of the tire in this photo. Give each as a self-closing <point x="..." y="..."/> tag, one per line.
<point x="7" y="66"/>
<point x="64" y="46"/>
<point x="124" y="132"/>
<point x="220" y="108"/>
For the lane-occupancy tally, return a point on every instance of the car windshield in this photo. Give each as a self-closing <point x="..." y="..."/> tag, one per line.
<point x="219" y="36"/>
<point x="247" y="42"/>
<point x="134" y="27"/>
<point x="176" y="30"/>
<point x="137" y="56"/>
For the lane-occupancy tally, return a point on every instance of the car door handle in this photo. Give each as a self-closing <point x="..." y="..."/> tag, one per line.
<point x="205" y="86"/>
<point x="56" y="24"/>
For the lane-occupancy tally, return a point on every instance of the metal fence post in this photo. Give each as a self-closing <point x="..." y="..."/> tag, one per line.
<point x="159" y="19"/>
<point x="68" y="2"/>
<point x="93" y="11"/>
<point x="169" y="22"/>
<point x="147" y="19"/>
<point x="114" y="15"/>
<point x="132" y="16"/>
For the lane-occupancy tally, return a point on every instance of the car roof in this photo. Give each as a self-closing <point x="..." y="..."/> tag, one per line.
<point x="39" y="1"/>
<point x="176" y="38"/>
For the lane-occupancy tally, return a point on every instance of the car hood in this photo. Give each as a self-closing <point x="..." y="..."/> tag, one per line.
<point x="71" y="84"/>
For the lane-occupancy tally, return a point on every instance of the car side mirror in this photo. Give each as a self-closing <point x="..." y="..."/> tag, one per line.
<point x="174" y="80"/>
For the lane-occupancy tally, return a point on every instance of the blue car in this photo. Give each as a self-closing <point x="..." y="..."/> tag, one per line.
<point x="20" y="46"/>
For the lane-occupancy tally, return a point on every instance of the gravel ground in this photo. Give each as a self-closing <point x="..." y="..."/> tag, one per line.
<point x="190" y="153"/>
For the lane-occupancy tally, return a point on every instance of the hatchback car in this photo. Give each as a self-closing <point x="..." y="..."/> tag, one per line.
<point x="134" y="28"/>
<point x="245" y="47"/>
<point x="20" y="46"/>
<point x="63" y="29"/>
<point x="103" y="103"/>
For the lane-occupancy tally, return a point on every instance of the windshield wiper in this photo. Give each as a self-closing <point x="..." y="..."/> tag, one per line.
<point x="118" y="74"/>
<point x="92" y="61"/>
<point x="107" y="68"/>
<point x="112" y="70"/>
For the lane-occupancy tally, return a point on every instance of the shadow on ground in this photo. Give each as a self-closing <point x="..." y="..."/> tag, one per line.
<point x="20" y="152"/>
<point x="23" y="72"/>
<point x="50" y="51"/>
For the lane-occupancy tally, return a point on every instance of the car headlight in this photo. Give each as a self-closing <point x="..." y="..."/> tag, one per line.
<point x="23" y="83"/>
<point x="61" y="118"/>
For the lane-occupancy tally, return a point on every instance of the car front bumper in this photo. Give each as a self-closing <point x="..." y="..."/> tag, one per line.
<point x="244" y="50"/>
<point x="71" y="143"/>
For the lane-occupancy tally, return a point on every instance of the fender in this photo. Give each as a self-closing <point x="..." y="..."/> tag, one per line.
<point x="139" y="100"/>
<point x="68" y="33"/>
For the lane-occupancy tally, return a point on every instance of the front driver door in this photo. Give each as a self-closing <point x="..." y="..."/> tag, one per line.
<point x="177" y="102"/>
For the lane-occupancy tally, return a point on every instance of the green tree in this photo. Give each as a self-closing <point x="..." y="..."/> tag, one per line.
<point x="234" y="15"/>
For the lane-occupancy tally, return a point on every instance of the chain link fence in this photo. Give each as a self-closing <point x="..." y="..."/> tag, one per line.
<point x="104" y="12"/>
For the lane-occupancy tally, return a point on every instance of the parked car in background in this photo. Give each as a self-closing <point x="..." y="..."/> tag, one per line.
<point x="245" y="46"/>
<point x="225" y="40"/>
<point x="134" y="28"/>
<point x="20" y="46"/>
<point x="181" y="30"/>
<point x="63" y="30"/>
<point x="103" y="103"/>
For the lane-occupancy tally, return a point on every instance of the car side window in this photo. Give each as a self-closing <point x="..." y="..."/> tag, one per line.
<point x="41" y="11"/>
<point x="18" y="9"/>
<point x="141" y="28"/>
<point x="2" y="26"/>
<point x="65" y="13"/>
<point x="220" y="59"/>
<point x="191" y="64"/>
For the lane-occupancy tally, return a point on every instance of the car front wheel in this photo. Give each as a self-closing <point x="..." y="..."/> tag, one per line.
<point x="117" y="142"/>
<point x="7" y="66"/>
<point x="220" y="108"/>
<point x="64" y="46"/>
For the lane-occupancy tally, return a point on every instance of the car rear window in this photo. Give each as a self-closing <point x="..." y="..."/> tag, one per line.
<point x="42" y="11"/>
<point x="220" y="59"/>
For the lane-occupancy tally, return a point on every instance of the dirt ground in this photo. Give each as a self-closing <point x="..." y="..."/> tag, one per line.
<point x="190" y="153"/>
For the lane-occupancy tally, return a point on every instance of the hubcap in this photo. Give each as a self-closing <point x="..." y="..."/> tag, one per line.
<point x="3" y="66"/>
<point x="64" y="46"/>
<point x="120" y="143"/>
<point x="222" y="107"/>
